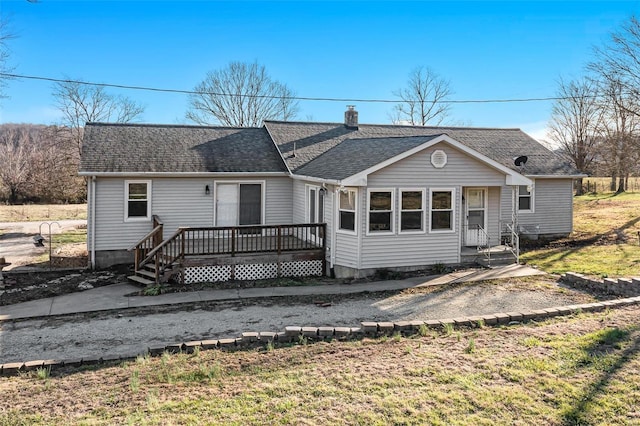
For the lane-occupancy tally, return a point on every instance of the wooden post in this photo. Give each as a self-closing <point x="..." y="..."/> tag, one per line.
<point x="233" y="242"/>
<point x="324" y="249"/>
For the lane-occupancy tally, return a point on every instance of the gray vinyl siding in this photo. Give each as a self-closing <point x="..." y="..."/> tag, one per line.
<point x="493" y="220"/>
<point x="416" y="171"/>
<point x="279" y="199"/>
<point x="112" y="232"/>
<point x="553" y="207"/>
<point x="177" y="202"/>
<point x="299" y="201"/>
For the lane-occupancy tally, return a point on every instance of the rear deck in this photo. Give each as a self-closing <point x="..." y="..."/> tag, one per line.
<point x="225" y="253"/>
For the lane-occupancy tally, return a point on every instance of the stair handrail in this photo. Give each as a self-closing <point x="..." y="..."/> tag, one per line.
<point x="487" y="253"/>
<point x="149" y="241"/>
<point x="514" y="246"/>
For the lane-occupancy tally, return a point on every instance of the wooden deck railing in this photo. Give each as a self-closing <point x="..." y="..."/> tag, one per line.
<point x="228" y="241"/>
<point x="148" y="242"/>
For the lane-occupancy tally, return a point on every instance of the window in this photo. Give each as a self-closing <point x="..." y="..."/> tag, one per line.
<point x="411" y="210"/>
<point x="525" y="198"/>
<point x="347" y="209"/>
<point x="442" y="210"/>
<point x="380" y="211"/>
<point x="239" y="203"/>
<point x="138" y="200"/>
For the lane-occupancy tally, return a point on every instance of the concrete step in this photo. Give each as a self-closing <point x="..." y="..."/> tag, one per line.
<point x="500" y="260"/>
<point x="140" y="280"/>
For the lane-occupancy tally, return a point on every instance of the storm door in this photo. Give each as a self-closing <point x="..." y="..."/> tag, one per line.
<point x="476" y="217"/>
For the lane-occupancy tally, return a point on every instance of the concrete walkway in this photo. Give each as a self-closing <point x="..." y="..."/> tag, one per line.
<point x="115" y="296"/>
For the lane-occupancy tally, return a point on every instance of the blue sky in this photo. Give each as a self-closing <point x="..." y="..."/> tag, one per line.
<point x="363" y="49"/>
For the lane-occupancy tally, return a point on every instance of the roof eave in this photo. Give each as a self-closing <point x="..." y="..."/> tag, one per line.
<point x="180" y="174"/>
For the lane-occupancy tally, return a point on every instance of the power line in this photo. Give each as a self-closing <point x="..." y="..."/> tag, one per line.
<point x="297" y="98"/>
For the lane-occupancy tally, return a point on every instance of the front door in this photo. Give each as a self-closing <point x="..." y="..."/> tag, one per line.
<point x="476" y="216"/>
<point x="238" y="204"/>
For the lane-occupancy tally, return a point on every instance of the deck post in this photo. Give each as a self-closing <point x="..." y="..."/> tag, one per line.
<point x="233" y="242"/>
<point x="324" y="249"/>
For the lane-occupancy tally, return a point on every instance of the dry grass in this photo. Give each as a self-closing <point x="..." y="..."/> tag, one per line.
<point x="578" y="370"/>
<point x="604" y="242"/>
<point x="37" y="212"/>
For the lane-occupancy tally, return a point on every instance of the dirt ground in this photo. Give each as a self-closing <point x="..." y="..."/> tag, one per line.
<point x="130" y="332"/>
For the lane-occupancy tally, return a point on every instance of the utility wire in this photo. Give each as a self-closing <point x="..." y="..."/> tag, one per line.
<point x="298" y="98"/>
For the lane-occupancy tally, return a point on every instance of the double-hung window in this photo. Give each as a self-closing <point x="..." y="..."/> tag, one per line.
<point x="525" y="198"/>
<point x="411" y="210"/>
<point x="137" y="200"/>
<point x="380" y="218"/>
<point x="347" y="209"/>
<point x="442" y="210"/>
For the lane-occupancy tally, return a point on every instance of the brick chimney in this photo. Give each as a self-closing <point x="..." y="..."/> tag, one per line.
<point x="351" y="117"/>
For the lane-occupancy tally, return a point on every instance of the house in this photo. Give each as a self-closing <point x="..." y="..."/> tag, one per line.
<point x="393" y="197"/>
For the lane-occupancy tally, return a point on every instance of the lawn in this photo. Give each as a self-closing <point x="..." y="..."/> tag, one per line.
<point x="577" y="370"/>
<point x="42" y="212"/>
<point x="605" y="240"/>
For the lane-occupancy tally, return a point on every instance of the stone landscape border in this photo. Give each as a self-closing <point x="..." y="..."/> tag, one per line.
<point x="313" y="334"/>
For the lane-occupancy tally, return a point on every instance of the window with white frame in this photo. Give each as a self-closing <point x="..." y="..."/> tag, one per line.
<point x="347" y="209"/>
<point x="441" y="210"/>
<point x="380" y="204"/>
<point x="411" y="210"/>
<point x="525" y="198"/>
<point x="137" y="200"/>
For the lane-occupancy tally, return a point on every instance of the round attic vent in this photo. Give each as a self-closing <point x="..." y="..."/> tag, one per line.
<point x="439" y="158"/>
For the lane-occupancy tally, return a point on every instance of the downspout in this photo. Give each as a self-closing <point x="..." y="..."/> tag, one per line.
<point x="334" y="227"/>
<point x="92" y="200"/>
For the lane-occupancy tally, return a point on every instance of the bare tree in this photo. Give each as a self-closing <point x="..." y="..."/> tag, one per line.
<point x="619" y="149"/>
<point x="81" y="103"/>
<point x="421" y="101"/>
<point x="17" y="155"/>
<point x="617" y="63"/>
<point x="5" y="66"/>
<point x="241" y="95"/>
<point x="575" y="122"/>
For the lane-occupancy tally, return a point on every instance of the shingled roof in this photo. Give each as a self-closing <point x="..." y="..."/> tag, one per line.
<point x="303" y="144"/>
<point x="347" y="159"/>
<point x="131" y="148"/>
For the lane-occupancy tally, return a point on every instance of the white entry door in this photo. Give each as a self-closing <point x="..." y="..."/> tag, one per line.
<point x="315" y="210"/>
<point x="476" y="217"/>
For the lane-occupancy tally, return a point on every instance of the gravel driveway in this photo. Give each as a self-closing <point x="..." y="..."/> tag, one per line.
<point x="16" y="239"/>
<point x="130" y="333"/>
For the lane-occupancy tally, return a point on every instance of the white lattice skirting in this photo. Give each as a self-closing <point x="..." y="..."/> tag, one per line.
<point x="252" y="271"/>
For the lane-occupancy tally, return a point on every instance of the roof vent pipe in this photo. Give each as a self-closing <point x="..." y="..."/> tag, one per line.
<point x="351" y="117"/>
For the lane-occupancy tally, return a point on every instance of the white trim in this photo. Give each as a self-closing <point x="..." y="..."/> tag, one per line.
<point x="557" y="176"/>
<point x="423" y="209"/>
<point x="128" y="218"/>
<point x="512" y="177"/>
<point x="453" y="210"/>
<point x="532" y="205"/>
<point x="316" y="179"/>
<point x="392" y="219"/>
<point x="184" y="174"/>
<point x="92" y="214"/>
<point x="273" y="141"/>
<point x="355" y="213"/>
<point x="263" y="201"/>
